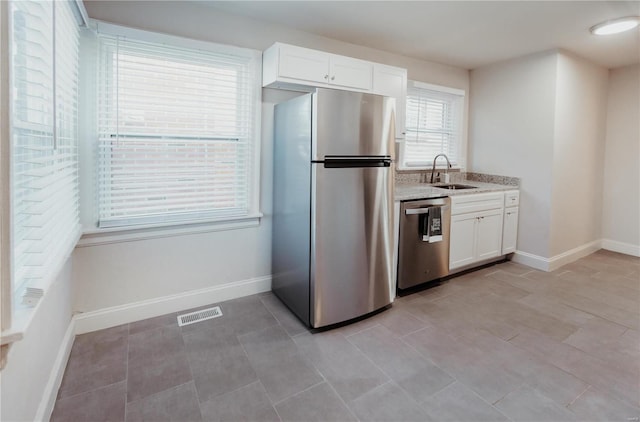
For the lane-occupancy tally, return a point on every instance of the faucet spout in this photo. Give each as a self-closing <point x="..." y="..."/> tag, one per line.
<point x="433" y="169"/>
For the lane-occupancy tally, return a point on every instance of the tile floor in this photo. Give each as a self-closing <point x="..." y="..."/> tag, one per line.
<point x="502" y="343"/>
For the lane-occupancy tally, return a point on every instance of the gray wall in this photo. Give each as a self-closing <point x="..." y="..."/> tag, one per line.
<point x="511" y="129"/>
<point x="621" y="198"/>
<point x="542" y="118"/>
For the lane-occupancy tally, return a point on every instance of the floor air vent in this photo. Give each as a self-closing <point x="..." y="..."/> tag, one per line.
<point x="197" y="316"/>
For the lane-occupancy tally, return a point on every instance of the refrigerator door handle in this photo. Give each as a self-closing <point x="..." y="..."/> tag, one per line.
<point x="354" y="162"/>
<point x="356" y="157"/>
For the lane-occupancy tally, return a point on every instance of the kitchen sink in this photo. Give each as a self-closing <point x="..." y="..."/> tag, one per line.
<point x="454" y="186"/>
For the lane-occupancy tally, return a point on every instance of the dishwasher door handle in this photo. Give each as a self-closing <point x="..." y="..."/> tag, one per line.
<point x="414" y="211"/>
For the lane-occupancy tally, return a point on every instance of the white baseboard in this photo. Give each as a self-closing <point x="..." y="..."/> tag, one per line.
<point x="621" y="247"/>
<point x="574" y="254"/>
<point x="131" y="312"/>
<point x="555" y="262"/>
<point x="531" y="260"/>
<point x="48" y="401"/>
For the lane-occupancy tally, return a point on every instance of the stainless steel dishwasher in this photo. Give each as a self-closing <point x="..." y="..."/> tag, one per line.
<point x="422" y="256"/>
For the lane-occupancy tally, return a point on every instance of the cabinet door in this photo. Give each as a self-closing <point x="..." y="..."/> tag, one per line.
<point x="489" y="235"/>
<point x="350" y="73"/>
<point x="462" y="247"/>
<point x="510" y="230"/>
<point x="392" y="82"/>
<point x="303" y="64"/>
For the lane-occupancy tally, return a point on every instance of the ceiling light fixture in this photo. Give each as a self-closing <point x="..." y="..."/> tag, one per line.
<point x="616" y="26"/>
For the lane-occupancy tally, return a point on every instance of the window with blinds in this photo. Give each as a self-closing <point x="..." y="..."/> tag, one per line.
<point x="176" y="132"/>
<point x="433" y="125"/>
<point x="44" y="140"/>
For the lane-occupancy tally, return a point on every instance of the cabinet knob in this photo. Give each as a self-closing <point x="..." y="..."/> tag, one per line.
<point x="333" y="78"/>
<point x="326" y="76"/>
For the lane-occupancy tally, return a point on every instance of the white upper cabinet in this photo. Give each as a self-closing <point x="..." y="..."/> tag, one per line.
<point x="391" y="81"/>
<point x="296" y="68"/>
<point x="291" y="67"/>
<point x="302" y="64"/>
<point x="350" y="73"/>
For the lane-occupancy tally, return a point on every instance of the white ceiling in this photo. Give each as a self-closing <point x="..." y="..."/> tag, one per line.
<point x="466" y="34"/>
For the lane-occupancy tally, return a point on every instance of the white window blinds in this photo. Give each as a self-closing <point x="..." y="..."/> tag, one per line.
<point x="433" y="125"/>
<point x="176" y="132"/>
<point x="44" y="169"/>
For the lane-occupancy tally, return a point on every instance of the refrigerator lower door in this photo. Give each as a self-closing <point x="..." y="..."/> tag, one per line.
<point x="352" y="242"/>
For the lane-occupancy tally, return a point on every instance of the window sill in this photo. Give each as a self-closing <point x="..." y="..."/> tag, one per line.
<point x="20" y="321"/>
<point x="105" y="236"/>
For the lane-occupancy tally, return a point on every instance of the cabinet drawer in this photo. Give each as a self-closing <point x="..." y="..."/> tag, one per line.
<point x="480" y="202"/>
<point x="512" y="198"/>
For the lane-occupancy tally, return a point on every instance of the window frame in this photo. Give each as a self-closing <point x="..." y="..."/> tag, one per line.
<point x="92" y="232"/>
<point x="462" y="140"/>
<point x="16" y="316"/>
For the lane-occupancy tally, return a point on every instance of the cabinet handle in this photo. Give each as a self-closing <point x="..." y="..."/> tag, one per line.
<point x="333" y="78"/>
<point x="326" y="76"/>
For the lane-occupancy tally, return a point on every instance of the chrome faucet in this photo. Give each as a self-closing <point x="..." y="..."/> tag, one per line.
<point x="433" y="170"/>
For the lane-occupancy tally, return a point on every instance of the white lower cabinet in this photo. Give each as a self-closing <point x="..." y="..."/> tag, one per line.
<point x="489" y="235"/>
<point x="475" y="237"/>
<point x="477" y="227"/>
<point x="462" y="249"/>
<point x="510" y="230"/>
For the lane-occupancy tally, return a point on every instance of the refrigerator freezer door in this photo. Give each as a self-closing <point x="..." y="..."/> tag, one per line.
<point x="352" y="242"/>
<point x="352" y="124"/>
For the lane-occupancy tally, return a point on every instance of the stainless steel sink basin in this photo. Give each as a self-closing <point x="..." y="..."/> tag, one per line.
<point x="453" y="186"/>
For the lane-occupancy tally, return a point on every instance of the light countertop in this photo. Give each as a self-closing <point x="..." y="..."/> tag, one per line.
<point x="406" y="192"/>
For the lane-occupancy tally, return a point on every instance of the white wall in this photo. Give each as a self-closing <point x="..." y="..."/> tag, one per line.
<point x="578" y="153"/>
<point x="511" y="129"/>
<point x="621" y="197"/>
<point x="30" y="379"/>
<point x="118" y="274"/>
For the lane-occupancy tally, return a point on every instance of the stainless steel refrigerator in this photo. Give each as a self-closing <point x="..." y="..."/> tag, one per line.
<point x="332" y="251"/>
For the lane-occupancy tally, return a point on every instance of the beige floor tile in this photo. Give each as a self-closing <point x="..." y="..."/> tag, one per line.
<point x="549" y="306"/>
<point x="529" y="404"/>
<point x="596" y="405"/>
